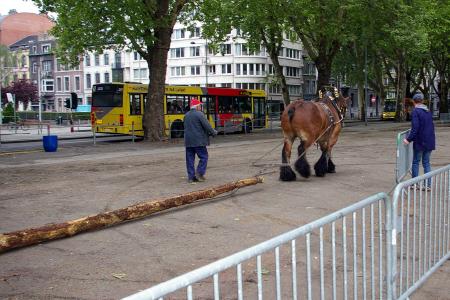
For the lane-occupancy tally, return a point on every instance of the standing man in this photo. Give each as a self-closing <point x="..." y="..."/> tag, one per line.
<point x="422" y="134"/>
<point x="196" y="137"/>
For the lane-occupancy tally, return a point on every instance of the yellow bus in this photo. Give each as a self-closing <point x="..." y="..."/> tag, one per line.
<point x="119" y="108"/>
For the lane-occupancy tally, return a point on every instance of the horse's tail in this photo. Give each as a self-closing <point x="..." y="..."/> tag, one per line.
<point x="291" y="113"/>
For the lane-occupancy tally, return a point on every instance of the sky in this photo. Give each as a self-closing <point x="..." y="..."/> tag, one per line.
<point x="19" y="5"/>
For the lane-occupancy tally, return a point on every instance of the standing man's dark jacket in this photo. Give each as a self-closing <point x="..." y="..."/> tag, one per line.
<point x="196" y="129"/>
<point x="422" y="129"/>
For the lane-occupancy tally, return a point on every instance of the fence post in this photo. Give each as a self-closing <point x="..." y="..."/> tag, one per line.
<point x="391" y="241"/>
<point x="93" y="133"/>
<point x="132" y="132"/>
<point x="48" y="129"/>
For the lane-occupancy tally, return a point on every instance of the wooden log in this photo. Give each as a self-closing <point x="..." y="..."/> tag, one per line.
<point x="31" y="236"/>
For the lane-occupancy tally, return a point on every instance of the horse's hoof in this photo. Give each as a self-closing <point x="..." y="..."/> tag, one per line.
<point x="287" y="174"/>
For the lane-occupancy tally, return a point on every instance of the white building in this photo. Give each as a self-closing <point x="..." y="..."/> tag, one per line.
<point x="191" y="62"/>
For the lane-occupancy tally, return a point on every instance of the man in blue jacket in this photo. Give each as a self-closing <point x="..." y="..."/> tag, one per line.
<point x="196" y="137"/>
<point x="422" y="134"/>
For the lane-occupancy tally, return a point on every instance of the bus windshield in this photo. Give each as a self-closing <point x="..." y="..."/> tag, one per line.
<point x="389" y="106"/>
<point x="107" y="95"/>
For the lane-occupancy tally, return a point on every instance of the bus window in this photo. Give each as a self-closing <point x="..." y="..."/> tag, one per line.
<point x="135" y="104"/>
<point x="174" y="104"/>
<point x="225" y="105"/>
<point x="245" y="105"/>
<point x="209" y="104"/>
<point x="107" y="96"/>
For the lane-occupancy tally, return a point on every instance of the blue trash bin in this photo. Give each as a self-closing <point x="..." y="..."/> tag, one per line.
<point x="50" y="143"/>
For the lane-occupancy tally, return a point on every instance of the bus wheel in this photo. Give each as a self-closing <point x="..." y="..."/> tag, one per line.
<point x="247" y="126"/>
<point x="177" y="130"/>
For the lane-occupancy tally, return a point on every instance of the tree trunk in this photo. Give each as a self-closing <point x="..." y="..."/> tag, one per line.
<point x="323" y="66"/>
<point x="49" y="232"/>
<point x="153" y="120"/>
<point x="362" y="101"/>
<point x="443" y="93"/>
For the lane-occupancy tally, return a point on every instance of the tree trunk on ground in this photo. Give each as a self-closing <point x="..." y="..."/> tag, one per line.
<point x="49" y="232"/>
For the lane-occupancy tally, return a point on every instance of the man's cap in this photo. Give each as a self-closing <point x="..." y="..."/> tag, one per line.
<point x="418" y="97"/>
<point x="195" y="102"/>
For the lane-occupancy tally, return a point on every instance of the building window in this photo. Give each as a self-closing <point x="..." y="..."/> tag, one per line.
<point x="87" y="60"/>
<point x="178" y="34"/>
<point x="47" y="85"/>
<point x="23" y="61"/>
<point x="293" y="53"/>
<point x="212" y="69"/>
<point x="66" y="83"/>
<point x="140" y="73"/>
<point x="136" y="55"/>
<point x="195" y="51"/>
<point x="106" y="59"/>
<point x="177" y="71"/>
<point x="195" y="70"/>
<point x="47" y="65"/>
<point x="35" y="67"/>
<point x="225" y="49"/>
<point x="97" y="59"/>
<point x="294" y="90"/>
<point x="106" y="77"/>
<point x="34" y="50"/>
<point x="226" y="85"/>
<point x="77" y="83"/>
<point x="88" y="81"/>
<point x="226" y="69"/>
<point x="292" y="72"/>
<point x="58" y="84"/>
<point x="177" y="52"/>
<point x="46" y="48"/>
<point x="97" y="77"/>
<point x="196" y="32"/>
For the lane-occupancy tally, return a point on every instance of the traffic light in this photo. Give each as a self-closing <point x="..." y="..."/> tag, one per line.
<point x="74" y="100"/>
<point x="67" y="105"/>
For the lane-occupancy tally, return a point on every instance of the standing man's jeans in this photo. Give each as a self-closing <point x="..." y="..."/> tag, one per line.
<point x="202" y="154"/>
<point x="425" y="157"/>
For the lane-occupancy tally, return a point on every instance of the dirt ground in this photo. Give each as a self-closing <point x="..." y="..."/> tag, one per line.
<point x="37" y="188"/>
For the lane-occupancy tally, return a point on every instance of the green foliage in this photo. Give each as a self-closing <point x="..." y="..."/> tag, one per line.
<point x="8" y="113"/>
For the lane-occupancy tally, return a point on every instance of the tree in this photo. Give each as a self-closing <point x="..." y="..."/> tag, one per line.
<point x="24" y="90"/>
<point x="437" y="26"/>
<point x="322" y="27"/>
<point x="143" y="26"/>
<point x="261" y="23"/>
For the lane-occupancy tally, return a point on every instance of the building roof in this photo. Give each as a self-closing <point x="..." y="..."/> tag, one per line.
<point x="20" y="25"/>
<point x="25" y="42"/>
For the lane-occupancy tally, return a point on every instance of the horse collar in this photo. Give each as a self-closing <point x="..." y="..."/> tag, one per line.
<point x="333" y="102"/>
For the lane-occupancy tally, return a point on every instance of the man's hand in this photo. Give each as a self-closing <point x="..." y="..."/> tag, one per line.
<point x="405" y="141"/>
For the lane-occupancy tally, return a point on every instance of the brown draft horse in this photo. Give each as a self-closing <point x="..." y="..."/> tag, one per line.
<point x="312" y="121"/>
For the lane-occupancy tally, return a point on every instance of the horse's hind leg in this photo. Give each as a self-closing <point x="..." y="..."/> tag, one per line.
<point x="322" y="165"/>
<point x="286" y="172"/>
<point x="301" y="165"/>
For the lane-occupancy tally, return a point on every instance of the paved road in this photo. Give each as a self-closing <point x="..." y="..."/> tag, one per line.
<point x="38" y="188"/>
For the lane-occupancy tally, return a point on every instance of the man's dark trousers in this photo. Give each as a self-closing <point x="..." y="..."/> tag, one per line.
<point x="202" y="154"/>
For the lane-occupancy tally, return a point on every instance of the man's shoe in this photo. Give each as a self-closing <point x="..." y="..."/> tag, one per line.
<point x="200" y="178"/>
<point x="193" y="180"/>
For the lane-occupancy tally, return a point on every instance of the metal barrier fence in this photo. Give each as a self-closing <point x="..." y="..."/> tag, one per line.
<point x="386" y="250"/>
<point x="404" y="157"/>
<point x="421" y="235"/>
<point x="340" y="255"/>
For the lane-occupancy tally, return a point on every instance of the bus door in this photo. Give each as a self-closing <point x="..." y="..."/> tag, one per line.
<point x="209" y="108"/>
<point x="259" y="112"/>
<point x="135" y="113"/>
